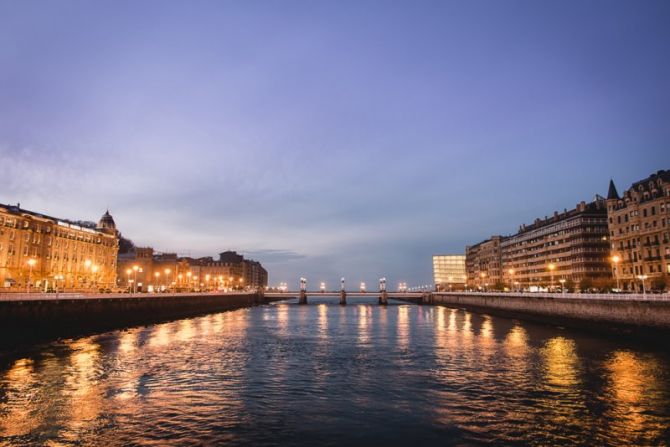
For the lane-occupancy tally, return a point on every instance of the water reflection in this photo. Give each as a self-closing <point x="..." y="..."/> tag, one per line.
<point x="305" y="375"/>
<point x="560" y="360"/>
<point x="633" y="392"/>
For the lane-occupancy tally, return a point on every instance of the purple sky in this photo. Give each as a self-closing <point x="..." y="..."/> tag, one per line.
<point x="328" y="138"/>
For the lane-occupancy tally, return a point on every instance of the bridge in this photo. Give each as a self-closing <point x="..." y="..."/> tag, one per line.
<point x="383" y="296"/>
<point x="342" y="294"/>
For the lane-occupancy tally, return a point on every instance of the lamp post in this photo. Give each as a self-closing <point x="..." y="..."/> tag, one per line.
<point x="511" y="279"/>
<point x="31" y="264"/>
<point x="551" y="268"/>
<point x="188" y="275"/>
<point x="167" y="278"/>
<point x="323" y="287"/>
<point x="94" y="270"/>
<point x="157" y="275"/>
<point x="57" y="278"/>
<point x="642" y="278"/>
<point x="562" y="281"/>
<point x="135" y="270"/>
<point x="615" y="262"/>
<point x="482" y="275"/>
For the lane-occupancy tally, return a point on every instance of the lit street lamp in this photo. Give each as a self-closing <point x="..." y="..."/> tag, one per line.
<point x="615" y="261"/>
<point x="642" y="278"/>
<point x="31" y="264"/>
<point x="551" y="268"/>
<point x="136" y="268"/>
<point x="167" y="278"/>
<point x="323" y="287"/>
<point x="562" y="281"/>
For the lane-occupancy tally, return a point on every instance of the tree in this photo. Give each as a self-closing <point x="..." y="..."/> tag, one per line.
<point x="659" y="284"/>
<point x="569" y="285"/>
<point x="604" y="284"/>
<point x="586" y="284"/>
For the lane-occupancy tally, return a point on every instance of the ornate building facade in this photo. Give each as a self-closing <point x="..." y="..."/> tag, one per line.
<point x="44" y="253"/>
<point x="639" y="231"/>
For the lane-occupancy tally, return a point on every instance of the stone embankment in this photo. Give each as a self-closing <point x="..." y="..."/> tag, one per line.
<point x="26" y="318"/>
<point x="616" y="311"/>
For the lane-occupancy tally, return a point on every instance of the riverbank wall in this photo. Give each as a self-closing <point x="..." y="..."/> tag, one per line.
<point x="617" y="313"/>
<point x="36" y="317"/>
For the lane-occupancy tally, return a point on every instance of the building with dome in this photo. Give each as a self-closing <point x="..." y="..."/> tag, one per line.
<point x="40" y="252"/>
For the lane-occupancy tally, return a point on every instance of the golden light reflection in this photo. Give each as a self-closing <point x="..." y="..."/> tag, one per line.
<point x="128" y="341"/>
<point x="634" y="391"/>
<point x="403" y="327"/>
<point x="486" y="340"/>
<point x="452" y="321"/>
<point x="283" y="319"/>
<point x="19" y="418"/>
<point x="561" y="363"/>
<point x="363" y="324"/>
<point x="323" y="320"/>
<point x="185" y="331"/>
<point x="516" y="343"/>
<point x="160" y="336"/>
<point x="82" y="385"/>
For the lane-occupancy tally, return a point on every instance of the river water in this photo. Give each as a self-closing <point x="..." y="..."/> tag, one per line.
<point x="325" y="374"/>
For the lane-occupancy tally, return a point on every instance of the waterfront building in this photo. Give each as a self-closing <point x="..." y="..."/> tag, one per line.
<point x="43" y="252"/>
<point x="449" y="272"/>
<point x="161" y="271"/>
<point x="483" y="263"/>
<point x="639" y="227"/>
<point x="567" y="248"/>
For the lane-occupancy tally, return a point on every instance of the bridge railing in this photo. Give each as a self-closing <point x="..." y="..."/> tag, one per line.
<point x="598" y="296"/>
<point x="38" y="296"/>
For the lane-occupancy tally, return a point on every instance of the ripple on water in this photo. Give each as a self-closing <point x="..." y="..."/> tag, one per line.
<point x="330" y="375"/>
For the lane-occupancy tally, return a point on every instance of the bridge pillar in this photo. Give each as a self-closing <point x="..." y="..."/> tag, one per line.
<point x="427" y="298"/>
<point x="383" y="297"/>
<point x="303" y="297"/>
<point x="343" y="297"/>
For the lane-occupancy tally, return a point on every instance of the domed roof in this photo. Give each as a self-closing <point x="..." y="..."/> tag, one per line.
<point x="107" y="222"/>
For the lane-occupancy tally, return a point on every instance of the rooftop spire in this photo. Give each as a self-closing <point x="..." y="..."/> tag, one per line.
<point x="612" y="192"/>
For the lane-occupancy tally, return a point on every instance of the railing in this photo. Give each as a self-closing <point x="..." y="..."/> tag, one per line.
<point x="103" y="296"/>
<point x="581" y="296"/>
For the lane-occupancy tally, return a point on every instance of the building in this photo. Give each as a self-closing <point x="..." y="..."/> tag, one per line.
<point x="141" y="269"/>
<point x="449" y="272"/>
<point x="639" y="227"/>
<point x="483" y="263"/>
<point x="45" y="252"/>
<point x="567" y="248"/>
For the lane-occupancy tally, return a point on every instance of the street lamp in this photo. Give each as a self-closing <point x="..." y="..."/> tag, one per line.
<point x="31" y="264"/>
<point x="94" y="270"/>
<point x="482" y="275"/>
<point x="167" y="278"/>
<point x="136" y="268"/>
<point x="323" y="287"/>
<point x="207" y="277"/>
<point x="562" y="281"/>
<point x="511" y="279"/>
<point x="642" y="278"/>
<point x="615" y="261"/>
<point x="157" y="275"/>
<point x="551" y="268"/>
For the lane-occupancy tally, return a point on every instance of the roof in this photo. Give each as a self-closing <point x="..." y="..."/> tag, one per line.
<point x="612" y="192"/>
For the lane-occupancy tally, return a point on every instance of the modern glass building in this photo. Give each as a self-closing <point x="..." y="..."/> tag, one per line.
<point x="449" y="272"/>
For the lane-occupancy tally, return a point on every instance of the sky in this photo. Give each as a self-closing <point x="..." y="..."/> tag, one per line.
<point x="328" y="139"/>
